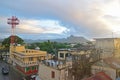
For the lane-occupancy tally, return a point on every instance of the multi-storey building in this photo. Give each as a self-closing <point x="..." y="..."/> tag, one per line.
<point x="26" y="60"/>
<point x="108" y="47"/>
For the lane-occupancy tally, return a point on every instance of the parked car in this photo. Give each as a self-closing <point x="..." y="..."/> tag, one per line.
<point x="5" y="70"/>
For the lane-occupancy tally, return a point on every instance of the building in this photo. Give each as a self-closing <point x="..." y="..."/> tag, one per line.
<point x="26" y="60"/>
<point x="53" y="70"/>
<point x="65" y="54"/>
<point x="80" y="59"/>
<point x="111" y="66"/>
<point x="4" y="53"/>
<point x="99" y="76"/>
<point x="108" y="47"/>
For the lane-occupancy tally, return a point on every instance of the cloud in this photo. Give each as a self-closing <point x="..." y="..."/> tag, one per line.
<point x="41" y="26"/>
<point x="31" y="26"/>
<point x="82" y="17"/>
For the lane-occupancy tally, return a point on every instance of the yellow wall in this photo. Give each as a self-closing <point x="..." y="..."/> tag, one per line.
<point x="23" y="55"/>
<point x="19" y="48"/>
<point x="117" y="47"/>
<point x="117" y="43"/>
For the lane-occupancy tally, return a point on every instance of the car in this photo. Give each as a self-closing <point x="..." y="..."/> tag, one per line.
<point x="5" y="70"/>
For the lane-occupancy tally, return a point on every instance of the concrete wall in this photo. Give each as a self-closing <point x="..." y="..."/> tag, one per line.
<point x="106" y="45"/>
<point x="109" y="47"/>
<point x="64" y="53"/>
<point x="45" y="73"/>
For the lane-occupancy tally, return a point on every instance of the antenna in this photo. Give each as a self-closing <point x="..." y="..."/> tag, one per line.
<point x="13" y="22"/>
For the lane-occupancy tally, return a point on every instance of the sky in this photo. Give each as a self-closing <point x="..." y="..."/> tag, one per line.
<point x="52" y="19"/>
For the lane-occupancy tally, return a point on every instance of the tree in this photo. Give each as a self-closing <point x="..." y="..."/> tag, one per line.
<point x="6" y="41"/>
<point x="50" y="47"/>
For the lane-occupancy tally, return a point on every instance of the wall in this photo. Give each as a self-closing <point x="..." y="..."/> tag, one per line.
<point x="106" y="45"/>
<point x="45" y="73"/>
<point x="19" y="48"/>
<point x="64" y="53"/>
<point x="117" y="48"/>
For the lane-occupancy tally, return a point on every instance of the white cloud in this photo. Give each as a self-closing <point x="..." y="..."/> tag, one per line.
<point x="42" y="26"/>
<point x="34" y="26"/>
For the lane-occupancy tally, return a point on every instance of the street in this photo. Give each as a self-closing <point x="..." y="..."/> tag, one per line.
<point x="13" y="75"/>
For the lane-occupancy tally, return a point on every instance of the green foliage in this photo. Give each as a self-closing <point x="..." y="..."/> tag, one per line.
<point x="78" y="46"/>
<point x="6" y="41"/>
<point x="50" y="47"/>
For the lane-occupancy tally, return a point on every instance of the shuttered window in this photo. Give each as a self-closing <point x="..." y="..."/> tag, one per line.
<point x="52" y="74"/>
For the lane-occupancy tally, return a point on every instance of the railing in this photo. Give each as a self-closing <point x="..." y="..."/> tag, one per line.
<point x="25" y="64"/>
<point x="30" y="63"/>
<point x="57" y="64"/>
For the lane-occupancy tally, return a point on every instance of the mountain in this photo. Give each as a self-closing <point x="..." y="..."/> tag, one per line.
<point x="70" y="39"/>
<point x="76" y="39"/>
<point x="1" y="40"/>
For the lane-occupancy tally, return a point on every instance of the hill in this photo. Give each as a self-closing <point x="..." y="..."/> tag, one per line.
<point x="70" y="39"/>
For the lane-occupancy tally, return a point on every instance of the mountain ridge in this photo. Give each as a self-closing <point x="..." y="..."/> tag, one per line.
<point x="70" y="39"/>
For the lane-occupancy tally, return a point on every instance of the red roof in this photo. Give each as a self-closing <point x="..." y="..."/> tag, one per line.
<point x="99" y="76"/>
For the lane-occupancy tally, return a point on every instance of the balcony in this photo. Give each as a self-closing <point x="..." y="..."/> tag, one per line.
<point x="25" y="64"/>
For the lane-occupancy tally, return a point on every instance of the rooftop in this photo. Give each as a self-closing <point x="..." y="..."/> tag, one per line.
<point x="105" y="38"/>
<point x="21" y="51"/>
<point x="56" y="64"/>
<point x="99" y="76"/>
<point x="109" y="62"/>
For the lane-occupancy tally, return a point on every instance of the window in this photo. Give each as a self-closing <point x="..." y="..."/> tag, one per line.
<point x="33" y="67"/>
<point x="39" y="59"/>
<point x="52" y="74"/>
<point x="118" y="74"/>
<point x="31" y="59"/>
<point x="27" y="69"/>
<point x="61" y="55"/>
<point x="67" y="54"/>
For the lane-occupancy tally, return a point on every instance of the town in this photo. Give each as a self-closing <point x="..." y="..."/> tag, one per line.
<point x="88" y="60"/>
<point x="60" y="40"/>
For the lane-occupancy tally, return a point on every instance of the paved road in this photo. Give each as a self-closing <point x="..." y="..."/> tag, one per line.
<point x="13" y="75"/>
